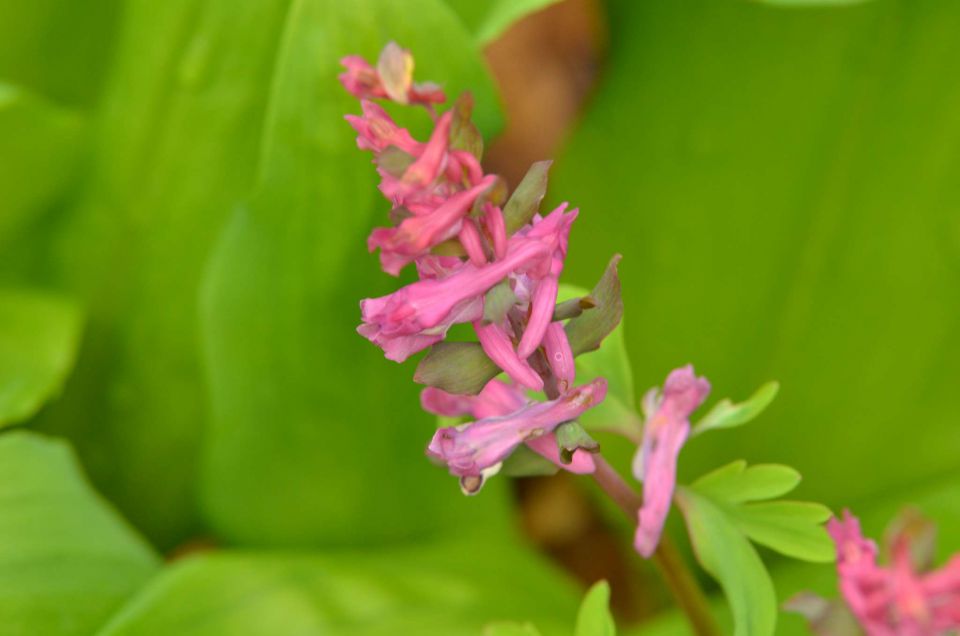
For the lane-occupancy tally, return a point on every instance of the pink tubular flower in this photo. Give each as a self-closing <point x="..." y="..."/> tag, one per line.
<point x="656" y="464"/>
<point x="476" y="449"/>
<point x="418" y="315"/>
<point x="897" y="600"/>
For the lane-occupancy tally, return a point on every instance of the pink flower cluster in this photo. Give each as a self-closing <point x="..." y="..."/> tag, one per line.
<point x="899" y="599"/>
<point x="443" y="203"/>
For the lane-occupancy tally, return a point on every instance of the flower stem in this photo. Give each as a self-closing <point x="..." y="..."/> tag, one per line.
<point x="674" y="571"/>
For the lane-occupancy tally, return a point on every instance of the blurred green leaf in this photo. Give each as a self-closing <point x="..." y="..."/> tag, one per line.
<point x="39" y="334"/>
<point x="67" y="560"/>
<point x="300" y="401"/>
<point x="736" y="483"/>
<point x="730" y="559"/>
<point x="594" y="617"/>
<point x="176" y="141"/>
<point x="39" y="145"/>
<point x="58" y="49"/>
<point x="804" y="4"/>
<point x="787" y="210"/>
<point x="448" y="589"/>
<point x="726" y="414"/>
<point x="511" y="629"/>
<point x="489" y="20"/>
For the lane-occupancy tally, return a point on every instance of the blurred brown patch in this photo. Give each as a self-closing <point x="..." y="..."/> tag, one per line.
<point x="546" y="65"/>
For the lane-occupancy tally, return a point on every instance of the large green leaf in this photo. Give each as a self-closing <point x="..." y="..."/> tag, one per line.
<point x="38" y="343"/>
<point x="67" y="560"/>
<point x="489" y="20"/>
<point x="39" y="144"/>
<point x="727" y="555"/>
<point x="316" y="437"/>
<point x="783" y="186"/>
<point x="58" y="48"/>
<point x="176" y="145"/>
<point x="448" y="589"/>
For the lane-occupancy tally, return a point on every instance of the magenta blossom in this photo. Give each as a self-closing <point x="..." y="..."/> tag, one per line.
<point x="391" y="79"/>
<point x="656" y="462"/>
<point x="474" y="450"/>
<point x="897" y="600"/>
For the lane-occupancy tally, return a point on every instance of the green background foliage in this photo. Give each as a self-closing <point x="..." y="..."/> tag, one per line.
<point x="184" y="215"/>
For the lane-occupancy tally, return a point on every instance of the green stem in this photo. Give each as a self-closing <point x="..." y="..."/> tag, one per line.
<point x="672" y="568"/>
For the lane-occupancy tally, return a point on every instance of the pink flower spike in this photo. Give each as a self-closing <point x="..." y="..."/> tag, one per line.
<point x="499" y="348"/>
<point x="472" y="449"/>
<point x="376" y="131"/>
<point x="541" y="313"/>
<point x="472" y="242"/>
<point x="556" y="347"/>
<point x="663" y="437"/>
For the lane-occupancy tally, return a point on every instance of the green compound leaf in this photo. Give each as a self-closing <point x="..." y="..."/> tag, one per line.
<point x="727" y="555"/>
<point x="726" y="414"/>
<point x="792" y="528"/>
<point x="735" y="483"/>
<point x="594" y="618"/>
<point x="67" y="560"/>
<point x="39" y="335"/>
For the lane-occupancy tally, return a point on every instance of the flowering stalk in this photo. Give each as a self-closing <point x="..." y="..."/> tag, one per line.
<point x="494" y="262"/>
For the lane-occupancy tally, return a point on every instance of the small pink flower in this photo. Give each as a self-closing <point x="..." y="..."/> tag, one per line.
<point x="392" y="79"/>
<point x="656" y="462"/>
<point x="476" y="449"/>
<point x="418" y="315"/>
<point x="897" y="600"/>
<point x="416" y="235"/>
<point x="376" y="131"/>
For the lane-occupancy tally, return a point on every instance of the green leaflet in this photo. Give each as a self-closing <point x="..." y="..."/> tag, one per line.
<point x="445" y="589"/>
<point x="772" y="227"/>
<point x="300" y="401"/>
<point x="736" y="483"/>
<point x="67" y="560"/>
<point x="39" y="335"/>
<point x="726" y="414"/>
<point x="726" y="554"/>
<point x="39" y="144"/>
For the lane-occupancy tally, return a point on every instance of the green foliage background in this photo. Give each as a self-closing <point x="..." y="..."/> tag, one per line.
<point x="781" y="181"/>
